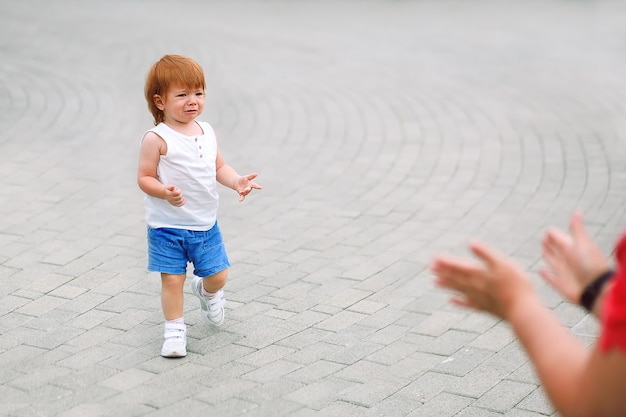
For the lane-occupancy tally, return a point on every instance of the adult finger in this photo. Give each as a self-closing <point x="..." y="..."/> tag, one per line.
<point x="548" y="276"/>
<point x="552" y="258"/>
<point x="485" y="253"/>
<point x="446" y="265"/>
<point x="577" y="227"/>
<point x="457" y="275"/>
<point x="556" y="237"/>
<point x="465" y="302"/>
<point x="555" y="245"/>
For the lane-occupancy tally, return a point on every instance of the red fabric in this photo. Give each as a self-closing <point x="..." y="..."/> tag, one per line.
<point x="613" y="313"/>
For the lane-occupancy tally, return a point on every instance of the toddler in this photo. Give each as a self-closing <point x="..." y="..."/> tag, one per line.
<point x="180" y="165"/>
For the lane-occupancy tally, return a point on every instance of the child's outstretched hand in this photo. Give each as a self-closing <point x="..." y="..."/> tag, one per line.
<point x="496" y="285"/>
<point x="573" y="261"/>
<point x="174" y="196"/>
<point x="245" y="185"/>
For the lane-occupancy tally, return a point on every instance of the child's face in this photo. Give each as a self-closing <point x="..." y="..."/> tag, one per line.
<point x="181" y="104"/>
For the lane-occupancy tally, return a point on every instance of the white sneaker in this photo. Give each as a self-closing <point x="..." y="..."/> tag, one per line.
<point x="175" y="344"/>
<point x="211" y="309"/>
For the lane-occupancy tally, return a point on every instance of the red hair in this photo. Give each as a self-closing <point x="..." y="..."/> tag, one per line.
<point x="171" y="70"/>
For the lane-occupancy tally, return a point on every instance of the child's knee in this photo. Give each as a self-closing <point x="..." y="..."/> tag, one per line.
<point x="172" y="281"/>
<point x="217" y="280"/>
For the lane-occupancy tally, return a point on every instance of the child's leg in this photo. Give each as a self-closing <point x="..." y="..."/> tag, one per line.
<point x="209" y="292"/>
<point x="167" y="255"/>
<point x="172" y="296"/>
<point x="172" y="299"/>
<point x="208" y="255"/>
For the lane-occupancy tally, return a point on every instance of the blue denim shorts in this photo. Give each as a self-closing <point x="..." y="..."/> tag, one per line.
<point x="170" y="250"/>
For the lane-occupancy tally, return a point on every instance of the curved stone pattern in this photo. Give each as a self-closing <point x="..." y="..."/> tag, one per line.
<point x="384" y="132"/>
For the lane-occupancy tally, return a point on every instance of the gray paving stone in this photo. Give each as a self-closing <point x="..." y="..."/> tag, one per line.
<point x="394" y="405"/>
<point x="505" y="395"/>
<point x="443" y="405"/>
<point x="340" y="408"/>
<point x="448" y="343"/>
<point x="260" y="337"/>
<point x="314" y="372"/>
<point x="275" y="408"/>
<point x="305" y="338"/>
<point x="508" y="359"/>
<point x="522" y="413"/>
<point x="321" y="393"/>
<point x="86" y="357"/>
<point x="388" y="334"/>
<point x="463" y="361"/>
<point x="127" y="379"/>
<point x="537" y="402"/>
<point x="39" y="377"/>
<point x="272" y="390"/>
<point x="15" y="356"/>
<point x="92" y="410"/>
<point x="154" y="397"/>
<point x="121" y="357"/>
<point x="340" y="321"/>
<point x="525" y="373"/>
<point x="126" y="320"/>
<point x="439" y="322"/>
<point x="495" y="339"/>
<point x="266" y="355"/>
<point x="393" y="352"/>
<point x="370" y="393"/>
<point x="390" y="133"/>
<point x="272" y="371"/>
<point x="427" y="386"/>
<point x="42" y="305"/>
<point x="193" y="407"/>
<point x="477" y="382"/>
<point x="383" y="317"/>
<point x="477" y="412"/>
<point x="217" y="352"/>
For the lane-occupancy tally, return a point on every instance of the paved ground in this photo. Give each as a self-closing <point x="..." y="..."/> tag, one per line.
<point x="383" y="131"/>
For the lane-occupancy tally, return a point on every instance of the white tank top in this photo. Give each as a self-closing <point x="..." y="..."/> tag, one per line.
<point x="190" y="166"/>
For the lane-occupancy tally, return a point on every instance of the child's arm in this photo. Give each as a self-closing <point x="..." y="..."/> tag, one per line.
<point x="152" y="147"/>
<point x="227" y="176"/>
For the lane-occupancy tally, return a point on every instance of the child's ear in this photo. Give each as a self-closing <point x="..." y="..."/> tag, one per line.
<point x="158" y="101"/>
